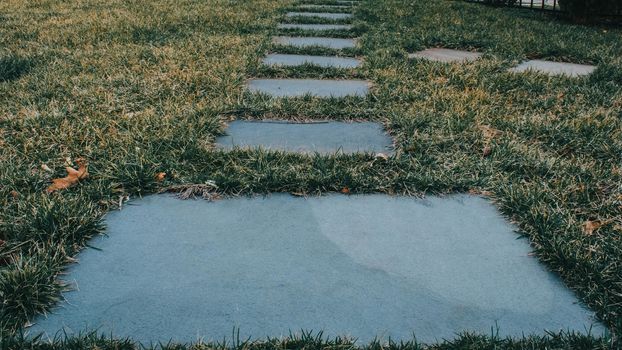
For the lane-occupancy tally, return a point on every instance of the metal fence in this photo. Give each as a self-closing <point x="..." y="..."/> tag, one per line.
<point x="541" y="5"/>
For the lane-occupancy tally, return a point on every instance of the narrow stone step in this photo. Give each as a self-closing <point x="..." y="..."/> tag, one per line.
<point x="554" y="68"/>
<point x="315" y="26"/>
<point x="446" y="55"/>
<point x="318" y="7"/>
<point x="331" y="43"/>
<point x="323" y="137"/>
<point x="322" y="61"/>
<point x="313" y="87"/>
<point x="327" y="15"/>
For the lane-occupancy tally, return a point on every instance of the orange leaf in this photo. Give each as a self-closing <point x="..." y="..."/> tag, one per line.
<point x="73" y="177"/>
<point x="345" y="190"/>
<point x="160" y="177"/>
<point x="590" y="226"/>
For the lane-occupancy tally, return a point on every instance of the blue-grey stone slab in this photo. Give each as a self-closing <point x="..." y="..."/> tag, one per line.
<point x="313" y="87"/>
<point x="322" y="61"/>
<point x="315" y="26"/>
<point x="313" y="6"/>
<point x="446" y="55"/>
<point x="331" y="43"/>
<point x="322" y="137"/>
<point x="554" y="68"/>
<point x="320" y="15"/>
<point x="364" y="266"/>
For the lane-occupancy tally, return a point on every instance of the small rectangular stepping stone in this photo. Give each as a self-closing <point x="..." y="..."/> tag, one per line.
<point x="331" y="43"/>
<point x="315" y="26"/>
<point x="312" y="6"/>
<point x="313" y="87"/>
<point x="322" y="61"/>
<point x="321" y="137"/>
<point x="554" y="68"/>
<point x="320" y="15"/>
<point x="446" y="55"/>
<point x="362" y="265"/>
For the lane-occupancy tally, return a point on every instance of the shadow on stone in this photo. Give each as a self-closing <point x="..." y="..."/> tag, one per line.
<point x="364" y="266"/>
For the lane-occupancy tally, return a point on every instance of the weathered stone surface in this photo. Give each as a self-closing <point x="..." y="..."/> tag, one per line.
<point x="554" y="68"/>
<point x="314" y="87"/>
<point x="320" y="15"/>
<point x="446" y="55"/>
<point x="315" y="26"/>
<point x="332" y="43"/>
<point x="322" y="61"/>
<point x="323" y="137"/>
<point x="355" y="265"/>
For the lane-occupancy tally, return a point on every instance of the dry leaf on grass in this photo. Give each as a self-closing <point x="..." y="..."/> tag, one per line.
<point x="345" y="190"/>
<point x="487" y="151"/>
<point x="73" y="177"/>
<point x="160" y="177"/>
<point x="590" y="226"/>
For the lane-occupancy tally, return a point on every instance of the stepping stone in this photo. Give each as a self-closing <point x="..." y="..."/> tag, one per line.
<point x="322" y="137"/>
<point x="554" y="68"/>
<point x="313" y="87"/>
<point x="446" y="55"/>
<point x="320" y="15"/>
<point x="315" y="26"/>
<point x="364" y="266"/>
<point x="311" y="6"/>
<point x="322" y="61"/>
<point x="331" y="43"/>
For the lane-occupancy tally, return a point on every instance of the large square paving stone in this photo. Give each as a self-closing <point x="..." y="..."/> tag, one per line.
<point x="324" y="137"/>
<point x="446" y="55"/>
<point x="331" y="43"/>
<point x="364" y="266"/>
<point x="554" y="68"/>
<point x="313" y="87"/>
<point x="322" y="61"/>
<point x="320" y="15"/>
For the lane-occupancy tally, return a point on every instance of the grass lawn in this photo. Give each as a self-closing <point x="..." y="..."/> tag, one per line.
<point x="142" y="87"/>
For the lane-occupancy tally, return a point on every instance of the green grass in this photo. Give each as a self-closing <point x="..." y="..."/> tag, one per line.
<point x="140" y="87"/>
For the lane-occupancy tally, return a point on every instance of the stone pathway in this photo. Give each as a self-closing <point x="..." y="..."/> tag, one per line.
<point x="364" y="266"/>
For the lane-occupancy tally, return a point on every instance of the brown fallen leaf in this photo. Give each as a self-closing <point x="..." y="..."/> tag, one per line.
<point x="160" y="177"/>
<point x="14" y="194"/>
<point x="489" y="132"/>
<point x="345" y="190"/>
<point x="487" y="151"/>
<point x="73" y="177"/>
<point x="46" y="168"/>
<point x="590" y="226"/>
<point x="382" y="156"/>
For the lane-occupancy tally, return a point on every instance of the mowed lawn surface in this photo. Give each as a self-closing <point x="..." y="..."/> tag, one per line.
<point x="143" y="87"/>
